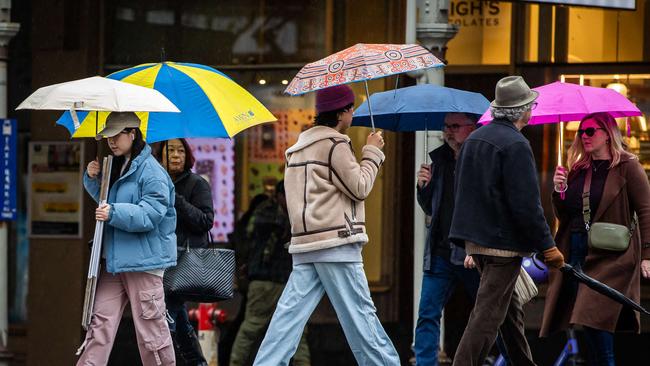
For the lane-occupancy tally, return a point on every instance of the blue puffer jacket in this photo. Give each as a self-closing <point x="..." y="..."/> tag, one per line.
<point x="139" y="236"/>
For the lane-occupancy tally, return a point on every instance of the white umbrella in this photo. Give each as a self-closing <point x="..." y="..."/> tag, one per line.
<point x="98" y="94"/>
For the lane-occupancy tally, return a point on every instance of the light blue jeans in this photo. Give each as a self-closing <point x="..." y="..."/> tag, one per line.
<point x="347" y="288"/>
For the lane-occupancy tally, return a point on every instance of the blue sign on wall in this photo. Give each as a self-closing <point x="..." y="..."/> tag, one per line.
<point x="8" y="169"/>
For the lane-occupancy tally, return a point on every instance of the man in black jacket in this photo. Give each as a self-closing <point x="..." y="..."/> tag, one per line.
<point x="498" y="216"/>
<point x="443" y="261"/>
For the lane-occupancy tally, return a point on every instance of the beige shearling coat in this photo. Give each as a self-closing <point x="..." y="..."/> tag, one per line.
<point x="325" y="188"/>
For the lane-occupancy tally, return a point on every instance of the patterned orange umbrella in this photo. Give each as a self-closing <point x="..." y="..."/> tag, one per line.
<point x="361" y="62"/>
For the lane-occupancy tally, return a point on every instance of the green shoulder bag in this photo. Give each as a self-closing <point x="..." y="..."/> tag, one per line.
<point x="604" y="235"/>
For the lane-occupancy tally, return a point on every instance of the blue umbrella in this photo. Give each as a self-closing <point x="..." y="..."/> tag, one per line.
<point x="418" y="108"/>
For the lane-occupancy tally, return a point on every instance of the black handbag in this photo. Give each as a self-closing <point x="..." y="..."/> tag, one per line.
<point x="201" y="275"/>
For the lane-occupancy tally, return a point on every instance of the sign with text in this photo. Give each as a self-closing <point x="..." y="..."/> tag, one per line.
<point x="484" y="32"/>
<point x="55" y="189"/>
<point x="8" y="167"/>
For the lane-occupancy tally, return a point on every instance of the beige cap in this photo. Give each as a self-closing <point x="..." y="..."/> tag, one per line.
<point x="117" y="122"/>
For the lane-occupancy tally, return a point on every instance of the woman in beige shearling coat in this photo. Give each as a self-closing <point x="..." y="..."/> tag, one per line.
<point x="326" y="187"/>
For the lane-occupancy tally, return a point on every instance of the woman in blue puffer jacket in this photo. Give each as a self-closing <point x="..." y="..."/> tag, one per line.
<point x="139" y="243"/>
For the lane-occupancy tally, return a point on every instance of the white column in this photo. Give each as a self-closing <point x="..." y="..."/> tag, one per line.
<point x="433" y="31"/>
<point x="7" y="31"/>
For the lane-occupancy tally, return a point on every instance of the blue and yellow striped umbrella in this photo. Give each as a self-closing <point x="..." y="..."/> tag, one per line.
<point x="211" y="104"/>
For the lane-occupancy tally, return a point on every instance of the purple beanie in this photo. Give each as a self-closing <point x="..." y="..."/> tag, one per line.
<point x="333" y="98"/>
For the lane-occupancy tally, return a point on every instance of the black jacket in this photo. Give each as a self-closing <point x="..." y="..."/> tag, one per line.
<point x="497" y="192"/>
<point x="430" y="199"/>
<point x="269" y="231"/>
<point x="194" y="212"/>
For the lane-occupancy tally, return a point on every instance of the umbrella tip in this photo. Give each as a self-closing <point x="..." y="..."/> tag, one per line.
<point x="162" y="54"/>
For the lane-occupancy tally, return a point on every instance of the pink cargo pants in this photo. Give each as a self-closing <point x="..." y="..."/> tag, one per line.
<point x="145" y="293"/>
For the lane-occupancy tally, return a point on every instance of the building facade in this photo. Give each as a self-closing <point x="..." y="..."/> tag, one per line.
<point x="262" y="44"/>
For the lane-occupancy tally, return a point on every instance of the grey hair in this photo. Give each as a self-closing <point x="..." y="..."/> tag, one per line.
<point x="511" y="114"/>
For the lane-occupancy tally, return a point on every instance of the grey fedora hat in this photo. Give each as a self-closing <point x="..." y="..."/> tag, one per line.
<point x="117" y="122"/>
<point x="512" y="92"/>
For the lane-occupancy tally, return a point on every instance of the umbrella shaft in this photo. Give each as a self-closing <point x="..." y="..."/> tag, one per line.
<point x="372" y="120"/>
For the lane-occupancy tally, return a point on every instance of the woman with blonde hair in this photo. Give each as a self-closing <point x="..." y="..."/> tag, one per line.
<point x="616" y="191"/>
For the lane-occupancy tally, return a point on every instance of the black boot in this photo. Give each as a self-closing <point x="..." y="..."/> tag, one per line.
<point x="190" y="350"/>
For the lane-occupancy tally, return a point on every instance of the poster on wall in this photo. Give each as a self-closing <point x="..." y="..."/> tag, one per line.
<point x="267" y="144"/>
<point x="215" y="161"/>
<point x="55" y="191"/>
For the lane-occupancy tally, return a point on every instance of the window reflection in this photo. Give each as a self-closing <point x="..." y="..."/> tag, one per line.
<point x="216" y="32"/>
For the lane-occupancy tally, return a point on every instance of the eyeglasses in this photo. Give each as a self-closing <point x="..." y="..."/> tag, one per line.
<point x="589" y="131"/>
<point x="454" y="127"/>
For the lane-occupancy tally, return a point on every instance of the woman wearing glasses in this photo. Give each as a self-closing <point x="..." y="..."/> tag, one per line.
<point x="617" y="189"/>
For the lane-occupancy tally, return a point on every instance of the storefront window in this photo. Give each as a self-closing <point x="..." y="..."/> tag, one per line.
<point x="215" y="32"/>
<point x="484" y="36"/>
<point x="635" y="87"/>
<point x="597" y="35"/>
<point x="531" y="51"/>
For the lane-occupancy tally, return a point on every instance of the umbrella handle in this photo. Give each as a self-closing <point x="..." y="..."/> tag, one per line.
<point x="426" y="141"/>
<point x="372" y="120"/>
<point x="566" y="268"/>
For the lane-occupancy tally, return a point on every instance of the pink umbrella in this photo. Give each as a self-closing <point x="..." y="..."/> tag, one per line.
<point x="563" y="102"/>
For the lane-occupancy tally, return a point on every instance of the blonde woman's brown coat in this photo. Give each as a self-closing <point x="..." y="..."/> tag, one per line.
<point x="626" y="191"/>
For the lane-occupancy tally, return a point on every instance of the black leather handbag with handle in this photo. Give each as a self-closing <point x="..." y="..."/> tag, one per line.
<point x="202" y="274"/>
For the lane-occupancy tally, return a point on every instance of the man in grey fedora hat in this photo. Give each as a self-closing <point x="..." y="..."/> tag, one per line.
<point x="498" y="217"/>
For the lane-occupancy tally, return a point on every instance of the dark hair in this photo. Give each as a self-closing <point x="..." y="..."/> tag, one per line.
<point x="189" y="156"/>
<point x="331" y="118"/>
<point x="136" y="148"/>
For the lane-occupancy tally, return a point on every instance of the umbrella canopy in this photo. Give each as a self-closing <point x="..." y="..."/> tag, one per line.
<point x="211" y="104"/>
<point x="418" y="108"/>
<point x="361" y="62"/>
<point x="97" y="94"/>
<point x="563" y="102"/>
<point x="602" y="288"/>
